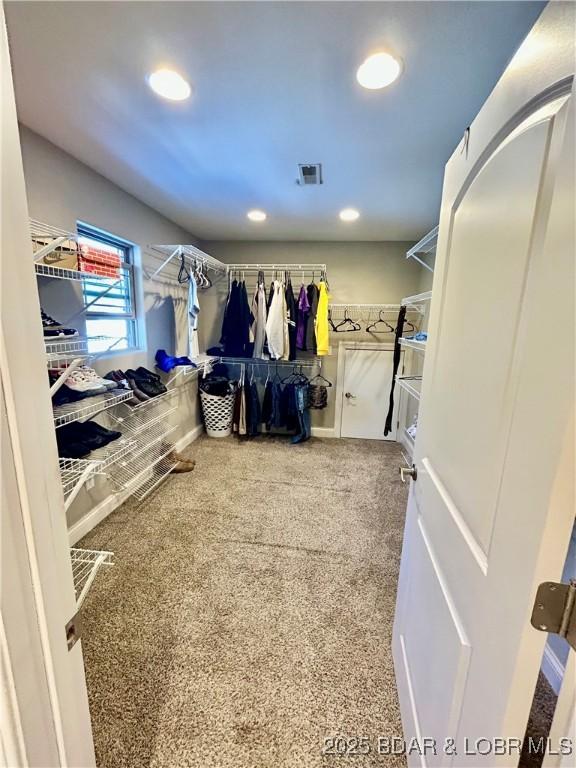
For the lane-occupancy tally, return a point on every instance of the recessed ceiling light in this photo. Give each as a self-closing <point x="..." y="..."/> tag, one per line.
<point x="169" y="84"/>
<point x="378" y="71"/>
<point x="349" y="214"/>
<point x="256" y="215"/>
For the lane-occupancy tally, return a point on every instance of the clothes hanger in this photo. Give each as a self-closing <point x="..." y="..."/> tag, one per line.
<point x="323" y="378"/>
<point x="412" y="326"/>
<point x="330" y="321"/>
<point x="372" y="326"/>
<point x="183" y="274"/>
<point x="347" y="320"/>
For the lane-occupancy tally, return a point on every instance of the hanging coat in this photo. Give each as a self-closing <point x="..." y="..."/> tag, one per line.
<point x="275" y="322"/>
<point x="291" y="316"/>
<point x="303" y="310"/>
<point x="322" y="332"/>
<point x="312" y="293"/>
<point x="259" y="312"/>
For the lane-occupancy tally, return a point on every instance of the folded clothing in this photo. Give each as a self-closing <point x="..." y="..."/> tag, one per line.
<point x="167" y="362"/>
<point x="76" y="440"/>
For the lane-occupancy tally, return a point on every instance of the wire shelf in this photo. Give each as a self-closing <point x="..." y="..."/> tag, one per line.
<point x="85" y="565"/>
<point x="136" y="470"/>
<point x="115" y="451"/>
<point x="153" y="402"/>
<point x="83" y="409"/>
<point x="250" y="361"/>
<point x="424" y="247"/>
<point x="74" y="471"/>
<point x="68" y="349"/>
<point x="417" y="298"/>
<point x="134" y="421"/>
<point x="420" y="346"/>
<point x="411" y="384"/>
<point x="160" y="472"/>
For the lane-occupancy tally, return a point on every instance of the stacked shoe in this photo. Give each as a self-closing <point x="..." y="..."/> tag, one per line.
<point x="54" y="330"/>
<point x="76" y="440"/>
<point x="144" y="383"/>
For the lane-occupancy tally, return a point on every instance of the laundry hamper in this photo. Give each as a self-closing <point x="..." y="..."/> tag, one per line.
<point x="218" y="411"/>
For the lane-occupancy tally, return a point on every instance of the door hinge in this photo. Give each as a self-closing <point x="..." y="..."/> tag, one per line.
<point x="73" y="630"/>
<point x="555" y="610"/>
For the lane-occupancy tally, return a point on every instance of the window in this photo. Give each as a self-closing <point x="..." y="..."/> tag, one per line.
<point x="108" y="290"/>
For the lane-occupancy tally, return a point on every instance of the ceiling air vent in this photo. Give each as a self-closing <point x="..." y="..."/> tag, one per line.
<point x="309" y="174"/>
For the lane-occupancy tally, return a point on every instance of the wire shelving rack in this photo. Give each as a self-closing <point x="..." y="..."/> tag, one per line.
<point x="90" y="406"/>
<point x="85" y="565"/>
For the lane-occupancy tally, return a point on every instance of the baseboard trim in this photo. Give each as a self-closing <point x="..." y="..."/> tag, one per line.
<point x="189" y="437"/>
<point x="552" y="669"/>
<point x="323" y="432"/>
<point x="114" y="500"/>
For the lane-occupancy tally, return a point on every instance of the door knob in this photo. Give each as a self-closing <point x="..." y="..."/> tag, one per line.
<point x="349" y="395"/>
<point x="408" y="472"/>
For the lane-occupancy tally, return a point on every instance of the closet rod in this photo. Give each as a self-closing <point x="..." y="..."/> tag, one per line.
<point x="277" y="267"/>
<point x="376" y="307"/>
<point x="262" y="361"/>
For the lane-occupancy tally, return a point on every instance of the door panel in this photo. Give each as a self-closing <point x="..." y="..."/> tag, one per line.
<point x="367" y="380"/>
<point x="485" y="515"/>
<point x="487" y="260"/>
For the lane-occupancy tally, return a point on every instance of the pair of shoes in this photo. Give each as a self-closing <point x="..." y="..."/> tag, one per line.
<point x="85" y="382"/>
<point x="64" y="394"/>
<point x="167" y="362"/>
<point x="144" y="383"/>
<point x="76" y="440"/>
<point x="53" y="329"/>
<point x="184" y="464"/>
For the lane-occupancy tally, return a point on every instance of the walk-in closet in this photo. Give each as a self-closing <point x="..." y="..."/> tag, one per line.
<point x="287" y="480"/>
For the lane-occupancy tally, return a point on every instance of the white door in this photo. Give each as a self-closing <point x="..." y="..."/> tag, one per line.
<point x="365" y="393"/>
<point x="45" y="719"/>
<point x="490" y="513"/>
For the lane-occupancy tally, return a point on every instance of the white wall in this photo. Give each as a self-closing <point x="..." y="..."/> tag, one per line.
<point x="62" y="191"/>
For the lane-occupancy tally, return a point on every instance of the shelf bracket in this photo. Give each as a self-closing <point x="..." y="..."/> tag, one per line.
<point x="45" y="250"/>
<point x="64" y="375"/>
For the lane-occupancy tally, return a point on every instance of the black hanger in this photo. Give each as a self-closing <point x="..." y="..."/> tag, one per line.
<point x="330" y="321"/>
<point x="340" y="327"/>
<point x="319" y="376"/>
<point x="372" y="326"/>
<point x="412" y="326"/>
<point x="183" y="274"/>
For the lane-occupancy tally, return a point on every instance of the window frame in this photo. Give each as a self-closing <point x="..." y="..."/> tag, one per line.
<point x="131" y="317"/>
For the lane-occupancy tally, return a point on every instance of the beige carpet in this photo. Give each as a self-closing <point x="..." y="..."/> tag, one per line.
<point x="249" y="613"/>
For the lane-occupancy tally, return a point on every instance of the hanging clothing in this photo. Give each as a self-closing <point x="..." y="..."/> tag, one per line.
<point x="303" y="310"/>
<point x="193" y="312"/>
<point x="259" y="313"/>
<point x="396" y="363"/>
<point x="235" y="337"/>
<point x="322" y="331"/>
<point x="276" y="322"/>
<point x="312" y="293"/>
<point x="291" y="316"/>
<point x="271" y="406"/>
<point x="253" y="409"/>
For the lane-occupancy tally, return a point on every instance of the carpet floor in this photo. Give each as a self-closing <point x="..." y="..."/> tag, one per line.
<point x="249" y="614"/>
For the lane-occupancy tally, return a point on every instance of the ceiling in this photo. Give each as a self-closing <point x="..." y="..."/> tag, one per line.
<point x="273" y="86"/>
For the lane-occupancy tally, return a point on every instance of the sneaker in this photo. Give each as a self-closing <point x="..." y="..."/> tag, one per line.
<point x="53" y="329"/>
<point x="134" y="386"/>
<point x="145" y="384"/>
<point x="77" y="382"/>
<point x="91" y="375"/>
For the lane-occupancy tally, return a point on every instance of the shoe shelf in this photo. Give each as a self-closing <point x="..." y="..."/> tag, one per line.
<point x="73" y="474"/>
<point x="114" y="452"/>
<point x="151" y="404"/>
<point x="134" y="422"/>
<point x="420" y="346"/>
<point x="411" y="384"/>
<point x="85" y="565"/>
<point x="90" y="406"/>
<point x="135" y="472"/>
<point x="160" y="472"/>
<point x="60" y="349"/>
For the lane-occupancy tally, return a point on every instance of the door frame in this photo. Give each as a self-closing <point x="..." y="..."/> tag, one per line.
<point x="48" y="719"/>
<point x="341" y="367"/>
